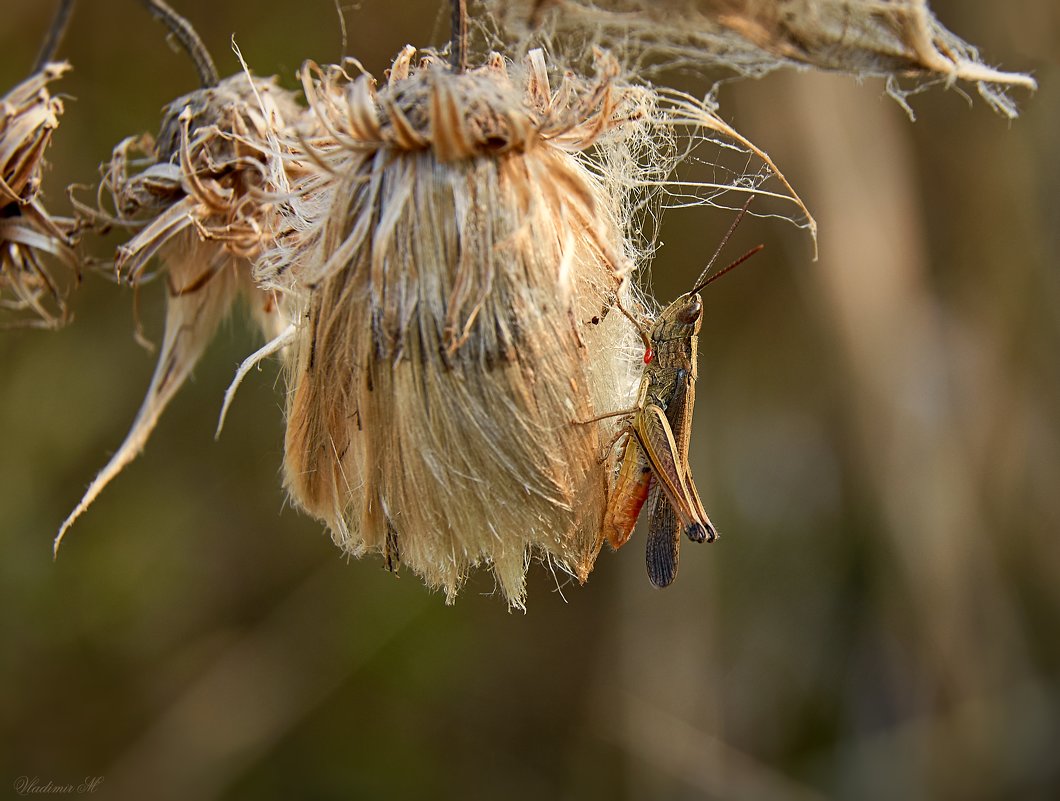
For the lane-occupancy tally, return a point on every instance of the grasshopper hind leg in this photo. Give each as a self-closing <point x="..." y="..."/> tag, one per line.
<point x="698" y="532"/>
<point x="701" y="530"/>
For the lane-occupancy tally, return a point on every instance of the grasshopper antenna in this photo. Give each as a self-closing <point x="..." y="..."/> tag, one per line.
<point x="700" y="282"/>
<point x="188" y="38"/>
<point x="55" y="34"/>
<point x="732" y="266"/>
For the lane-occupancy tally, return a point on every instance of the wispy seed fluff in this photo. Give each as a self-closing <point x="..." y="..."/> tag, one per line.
<point x="29" y="235"/>
<point x="198" y="200"/>
<point x="450" y="302"/>
<point x="900" y="40"/>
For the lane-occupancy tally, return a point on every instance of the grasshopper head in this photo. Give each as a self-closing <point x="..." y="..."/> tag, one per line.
<point x="689" y="311"/>
<point x="681" y="319"/>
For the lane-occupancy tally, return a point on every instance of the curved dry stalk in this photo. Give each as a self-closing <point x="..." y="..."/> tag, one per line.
<point x="55" y="34"/>
<point x="188" y="38"/>
<point x="271" y="348"/>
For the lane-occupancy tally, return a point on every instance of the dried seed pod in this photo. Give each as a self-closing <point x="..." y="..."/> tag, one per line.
<point x="200" y="197"/>
<point x="29" y="235"/>
<point x="450" y="285"/>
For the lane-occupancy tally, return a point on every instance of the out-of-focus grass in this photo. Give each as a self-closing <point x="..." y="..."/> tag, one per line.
<point x="878" y="438"/>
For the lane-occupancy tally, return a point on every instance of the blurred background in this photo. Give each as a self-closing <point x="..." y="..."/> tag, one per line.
<point x="877" y="437"/>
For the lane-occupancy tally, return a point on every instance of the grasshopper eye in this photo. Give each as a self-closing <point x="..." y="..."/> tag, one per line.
<point x="692" y="311"/>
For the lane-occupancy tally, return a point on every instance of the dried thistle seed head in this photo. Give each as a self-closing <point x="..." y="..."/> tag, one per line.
<point x="201" y="200"/>
<point x="29" y="235"/>
<point x="446" y="351"/>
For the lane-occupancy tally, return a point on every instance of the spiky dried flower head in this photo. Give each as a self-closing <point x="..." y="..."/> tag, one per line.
<point x="199" y="198"/>
<point x="206" y="173"/>
<point x="451" y="284"/>
<point x="29" y="235"/>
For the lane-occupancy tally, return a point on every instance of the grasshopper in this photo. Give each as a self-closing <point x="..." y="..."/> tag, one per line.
<point x="654" y="466"/>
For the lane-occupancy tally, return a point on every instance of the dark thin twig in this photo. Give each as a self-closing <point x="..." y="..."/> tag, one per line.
<point x="55" y="34"/>
<point x="537" y="12"/>
<point x="458" y="32"/>
<point x="188" y="39"/>
<point x="342" y="24"/>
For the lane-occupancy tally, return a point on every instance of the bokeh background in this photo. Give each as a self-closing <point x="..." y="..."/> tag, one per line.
<point x="877" y="437"/>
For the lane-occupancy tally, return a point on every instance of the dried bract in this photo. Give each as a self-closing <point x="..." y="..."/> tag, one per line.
<point x="200" y="198"/>
<point x="452" y="284"/>
<point x="29" y="235"/>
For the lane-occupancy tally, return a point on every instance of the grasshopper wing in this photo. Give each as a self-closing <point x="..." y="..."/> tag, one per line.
<point x="664" y="540"/>
<point x="679" y="416"/>
<point x="653" y="434"/>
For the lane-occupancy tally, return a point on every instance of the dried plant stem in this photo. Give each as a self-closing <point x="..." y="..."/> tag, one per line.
<point x="458" y="31"/>
<point x="55" y="34"/>
<point x="188" y="39"/>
